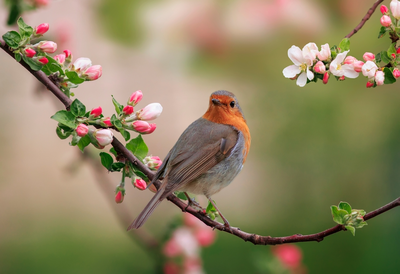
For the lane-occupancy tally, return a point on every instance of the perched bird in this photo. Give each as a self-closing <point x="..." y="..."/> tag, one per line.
<point x="207" y="156"/>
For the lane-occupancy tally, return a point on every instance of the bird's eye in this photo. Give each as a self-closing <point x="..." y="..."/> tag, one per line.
<point x="232" y="104"/>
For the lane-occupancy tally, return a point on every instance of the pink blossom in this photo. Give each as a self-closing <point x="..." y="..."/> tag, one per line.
<point x="368" y="56"/>
<point x="358" y="65"/>
<point x="128" y="110"/>
<point x="47" y="46"/>
<point x="152" y="128"/>
<point x="171" y="248"/>
<point x="152" y="162"/>
<point x="107" y="122"/>
<point x="135" y="98"/>
<point x="325" y="53"/>
<point x="395" y="8"/>
<point x="60" y="58"/>
<point x="42" y="29"/>
<point x="140" y="183"/>
<point x="384" y="9"/>
<point x="319" y="67"/>
<point x="289" y="255"/>
<point x="96" y="112"/>
<point x="396" y="73"/>
<point x="370" y="84"/>
<point x="150" y="112"/>
<point x="43" y="60"/>
<point x="68" y="54"/>
<point x="82" y="130"/>
<point x="379" y="78"/>
<point x="93" y="72"/>
<point x="369" y="69"/>
<point x="29" y="52"/>
<point x="338" y="69"/>
<point x="140" y="126"/>
<point x="398" y="51"/>
<point x="393" y="55"/>
<point x="205" y="236"/>
<point x="326" y="78"/>
<point x="82" y="64"/>
<point x="119" y="197"/>
<point x="103" y="136"/>
<point x="386" y="21"/>
<point x="349" y="60"/>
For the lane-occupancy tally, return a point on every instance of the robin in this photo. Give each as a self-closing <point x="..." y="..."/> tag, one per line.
<point x="207" y="156"/>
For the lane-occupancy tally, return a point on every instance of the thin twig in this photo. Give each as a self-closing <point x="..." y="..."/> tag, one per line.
<point x="254" y="238"/>
<point x="365" y="18"/>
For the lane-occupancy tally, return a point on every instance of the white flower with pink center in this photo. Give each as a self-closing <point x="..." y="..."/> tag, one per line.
<point x="338" y="68"/>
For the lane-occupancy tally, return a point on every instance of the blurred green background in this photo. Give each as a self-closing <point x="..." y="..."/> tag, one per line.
<point x="312" y="147"/>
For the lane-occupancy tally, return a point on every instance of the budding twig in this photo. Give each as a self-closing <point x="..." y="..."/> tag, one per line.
<point x="254" y="238"/>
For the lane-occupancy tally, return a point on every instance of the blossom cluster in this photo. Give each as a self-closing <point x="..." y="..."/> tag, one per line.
<point x="311" y="63"/>
<point x="183" y="247"/>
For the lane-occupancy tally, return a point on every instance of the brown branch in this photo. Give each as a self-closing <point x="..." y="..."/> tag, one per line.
<point x="365" y="18"/>
<point x="254" y="238"/>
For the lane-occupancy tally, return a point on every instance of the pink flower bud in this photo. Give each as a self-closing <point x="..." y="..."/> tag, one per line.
<point x="350" y="60"/>
<point x="152" y="128"/>
<point x="370" y="84"/>
<point x="386" y="21"/>
<point x="103" y="136"/>
<point x="358" y="65"/>
<point x="396" y="73"/>
<point x="107" y="122"/>
<point x="81" y="64"/>
<point x="152" y="162"/>
<point x="395" y="8"/>
<point x="41" y="2"/>
<point x="141" y="126"/>
<point x="43" y="60"/>
<point x="93" y="72"/>
<point x="384" y="9"/>
<point x="82" y="130"/>
<point x="368" y="56"/>
<point x="47" y="46"/>
<point x="379" y="78"/>
<point x="42" y="29"/>
<point x="290" y="255"/>
<point x="140" y="184"/>
<point x="205" y="236"/>
<point x="319" y="67"/>
<point x="128" y="110"/>
<point x="341" y="78"/>
<point x="398" y="51"/>
<point x="326" y="78"/>
<point x="29" y="52"/>
<point x="135" y="98"/>
<point x="68" y="55"/>
<point x="60" y="58"/>
<point x="150" y="112"/>
<point x="96" y="112"/>
<point x="119" y="196"/>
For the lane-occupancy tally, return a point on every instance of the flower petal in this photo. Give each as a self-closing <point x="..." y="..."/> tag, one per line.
<point x="296" y="55"/>
<point x="302" y="80"/>
<point x="349" y="72"/>
<point x="291" y="71"/>
<point x="310" y="74"/>
<point x="340" y="57"/>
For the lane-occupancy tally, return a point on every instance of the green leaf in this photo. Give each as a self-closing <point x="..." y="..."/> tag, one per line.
<point x="62" y="133"/>
<point x="344" y="44"/>
<point x="106" y="160"/>
<point x="392" y="49"/>
<point x="118" y="106"/>
<point x="117" y="166"/>
<point x="84" y="142"/>
<point x="345" y="206"/>
<point x="384" y="56"/>
<point x="12" y="39"/>
<point x="115" y="121"/>
<point x="382" y="32"/>
<point x="74" y="78"/>
<point x="17" y="57"/>
<point x="52" y="66"/>
<point x="351" y="229"/>
<point x="66" y="118"/>
<point x="210" y="208"/>
<point x="138" y="147"/>
<point x="181" y="195"/>
<point x="24" y="29"/>
<point x="138" y="172"/>
<point x="389" y="78"/>
<point x="77" y="108"/>
<point x="338" y="215"/>
<point x="34" y="65"/>
<point x="125" y="134"/>
<point x="378" y="58"/>
<point x="112" y="150"/>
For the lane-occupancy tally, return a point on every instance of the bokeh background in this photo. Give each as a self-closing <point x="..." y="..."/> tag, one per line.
<point x="312" y="147"/>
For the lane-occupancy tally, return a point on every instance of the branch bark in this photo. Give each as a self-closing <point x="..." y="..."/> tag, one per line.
<point x="253" y="238"/>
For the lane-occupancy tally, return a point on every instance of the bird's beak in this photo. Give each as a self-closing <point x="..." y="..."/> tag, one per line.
<point x="215" y="101"/>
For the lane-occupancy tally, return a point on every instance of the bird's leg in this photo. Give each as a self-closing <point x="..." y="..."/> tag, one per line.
<point x="192" y="203"/>
<point x="226" y="223"/>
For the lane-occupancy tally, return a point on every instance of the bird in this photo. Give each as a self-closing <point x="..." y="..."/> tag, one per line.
<point x="207" y="156"/>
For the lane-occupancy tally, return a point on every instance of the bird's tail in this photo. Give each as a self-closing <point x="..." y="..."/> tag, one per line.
<point x="139" y="221"/>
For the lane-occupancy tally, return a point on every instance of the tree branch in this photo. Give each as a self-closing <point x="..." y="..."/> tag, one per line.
<point x="254" y="238"/>
<point x="365" y="18"/>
